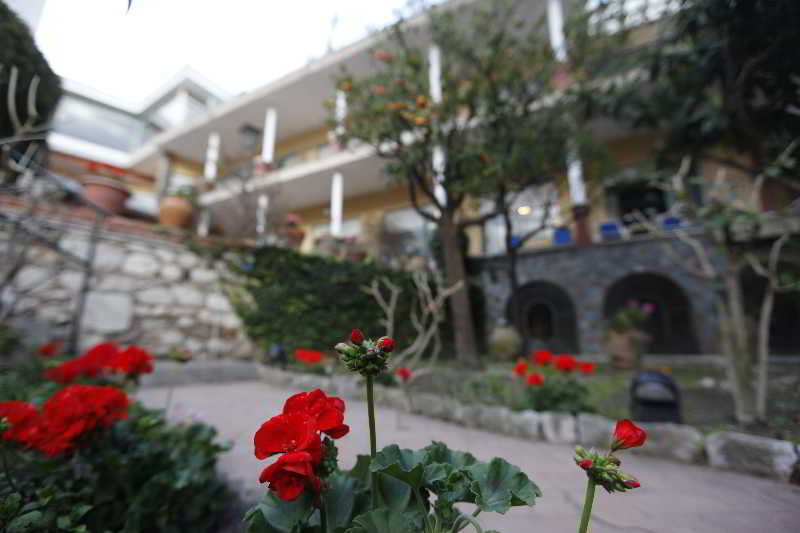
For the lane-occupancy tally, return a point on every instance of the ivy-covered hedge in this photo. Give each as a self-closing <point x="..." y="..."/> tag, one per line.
<point x="305" y="301"/>
<point x="17" y="48"/>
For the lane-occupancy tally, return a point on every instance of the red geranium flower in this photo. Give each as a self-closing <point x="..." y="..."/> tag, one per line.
<point x="403" y="373"/>
<point x="309" y="357"/>
<point x="19" y="415"/>
<point x="535" y="379"/>
<point x="386" y="344"/>
<point x="90" y="364"/>
<point x="565" y="363"/>
<point x="133" y="360"/>
<point x="542" y="357"/>
<point x="327" y="412"/>
<point x="632" y="484"/>
<point x="51" y="348"/>
<point x="521" y="368"/>
<point x="286" y="433"/>
<point x="587" y="368"/>
<point x="290" y="475"/>
<point x="356" y="337"/>
<point x="627" y="435"/>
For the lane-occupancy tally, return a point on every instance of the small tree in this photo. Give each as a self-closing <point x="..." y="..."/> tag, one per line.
<point x="496" y="66"/>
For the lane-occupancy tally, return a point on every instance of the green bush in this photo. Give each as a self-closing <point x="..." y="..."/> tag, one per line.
<point x="17" y="48"/>
<point x="558" y="392"/>
<point x="295" y="297"/>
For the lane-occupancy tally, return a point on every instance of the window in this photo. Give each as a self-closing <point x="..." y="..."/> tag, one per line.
<point x="528" y="212"/>
<point x="97" y="124"/>
<point x="405" y="232"/>
<point x="609" y="13"/>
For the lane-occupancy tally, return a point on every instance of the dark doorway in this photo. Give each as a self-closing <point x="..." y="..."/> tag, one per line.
<point x="545" y="316"/>
<point x="670" y="324"/>
<point x="784" y="327"/>
<point x="638" y="198"/>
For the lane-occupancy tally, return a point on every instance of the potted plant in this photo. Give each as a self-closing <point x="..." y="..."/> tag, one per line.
<point x="625" y="340"/>
<point x="108" y="193"/>
<point x="177" y="208"/>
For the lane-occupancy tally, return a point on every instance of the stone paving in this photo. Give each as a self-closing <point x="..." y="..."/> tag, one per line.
<point x="674" y="498"/>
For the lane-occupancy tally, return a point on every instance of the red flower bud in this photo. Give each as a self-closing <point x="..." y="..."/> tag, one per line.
<point x="632" y="484"/>
<point x="356" y="337"/>
<point x="403" y="373"/>
<point x="627" y="435"/>
<point x="586" y="464"/>
<point x="386" y="344"/>
<point x="521" y="368"/>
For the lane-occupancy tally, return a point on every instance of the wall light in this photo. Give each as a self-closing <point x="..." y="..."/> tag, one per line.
<point x="524" y="210"/>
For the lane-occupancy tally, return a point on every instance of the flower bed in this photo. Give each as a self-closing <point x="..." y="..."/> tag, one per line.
<point x="79" y="455"/>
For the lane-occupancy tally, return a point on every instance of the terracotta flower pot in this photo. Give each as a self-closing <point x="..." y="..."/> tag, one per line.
<point x="625" y="348"/>
<point x="106" y="193"/>
<point x="175" y="212"/>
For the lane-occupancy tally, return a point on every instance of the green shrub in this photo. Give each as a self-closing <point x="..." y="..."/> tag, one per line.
<point x="294" y="296"/>
<point x="17" y="48"/>
<point x="558" y="392"/>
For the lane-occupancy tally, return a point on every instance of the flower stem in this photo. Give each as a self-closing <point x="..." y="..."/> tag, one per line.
<point x="587" y="507"/>
<point x="5" y="469"/>
<point x="323" y="517"/>
<point x="372" y="439"/>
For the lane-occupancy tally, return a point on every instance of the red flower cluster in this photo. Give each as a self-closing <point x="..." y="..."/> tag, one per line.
<point x="309" y="357"/>
<point x="627" y="435"/>
<point x="521" y="368"/>
<point x="403" y="373"/>
<point x="64" y="418"/>
<point x="51" y="348"/>
<point x="535" y="379"/>
<point x="296" y="433"/>
<point x="103" y="358"/>
<point x="563" y="362"/>
<point x="386" y="344"/>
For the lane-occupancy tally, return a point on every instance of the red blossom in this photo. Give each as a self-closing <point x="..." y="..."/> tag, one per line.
<point x="542" y="357"/>
<point x="20" y="415"/>
<point x="290" y="475"/>
<point x="51" y="348"/>
<point x="535" y="379"/>
<point x="286" y="433"/>
<point x="327" y="411"/>
<point x="357" y="337"/>
<point x="632" y="484"/>
<point x="133" y="361"/>
<point x="309" y="357"/>
<point x="521" y="368"/>
<point x="587" y="368"/>
<point x="627" y="435"/>
<point x="403" y="373"/>
<point x="90" y="364"/>
<point x="586" y="464"/>
<point x="386" y="344"/>
<point x="565" y="363"/>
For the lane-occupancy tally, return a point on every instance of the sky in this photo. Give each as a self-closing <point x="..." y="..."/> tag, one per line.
<point x="238" y="44"/>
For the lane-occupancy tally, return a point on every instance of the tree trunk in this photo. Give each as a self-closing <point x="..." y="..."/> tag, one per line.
<point x="463" y="324"/>
<point x="763" y="351"/>
<point x="513" y="277"/>
<point x="740" y="356"/>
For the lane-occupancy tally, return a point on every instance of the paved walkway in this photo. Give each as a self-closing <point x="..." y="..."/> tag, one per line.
<point x="674" y="498"/>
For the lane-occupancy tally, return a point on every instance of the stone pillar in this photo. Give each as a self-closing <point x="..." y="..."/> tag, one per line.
<point x="270" y="128"/>
<point x="439" y="158"/>
<point x="261" y="214"/>
<point x="337" y="197"/>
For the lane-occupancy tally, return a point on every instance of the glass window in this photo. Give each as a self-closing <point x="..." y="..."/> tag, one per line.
<point x="533" y="208"/>
<point x="97" y="124"/>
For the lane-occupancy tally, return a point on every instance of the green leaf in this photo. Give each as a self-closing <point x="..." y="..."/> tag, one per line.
<point x="26" y="522"/>
<point x="276" y="515"/>
<point x="393" y="493"/>
<point x="499" y="485"/>
<point x="385" y="520"/>
<point x="361" y="469"/>
<point x="10" y="505"/>
<point x="339" y="500"/>
<point x="438" y="452"/>
<point x="405" y="465"/>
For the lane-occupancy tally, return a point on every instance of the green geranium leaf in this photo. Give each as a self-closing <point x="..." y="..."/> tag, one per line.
<point x="361" y="470"/>
<point x="438" y="452"/>
<point x="274" y="515"/>
<point x="405" y="465"/>
<point x="339" y="500"/>
<point x="499" y="485"/>
<point x="385" y="520"/>
<point x="26" y="522"/>
<point x="9" y="506"/>
<point x="393" y="493"/>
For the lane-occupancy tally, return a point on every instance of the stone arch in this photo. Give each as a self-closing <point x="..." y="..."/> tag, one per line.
<point x="670" y="324"/>
<point x="545" y="316"/>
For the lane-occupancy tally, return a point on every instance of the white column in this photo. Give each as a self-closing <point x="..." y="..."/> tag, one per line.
<point x="204" y="224"/>
<point x="270" y="128"/>
<point x="340" y="111"/>
<point x="555" y="23"/>
<point x="261" y="214"/>
<point x="577" y="187"/>
<point x="212" y="156"/>
<point x="337" y="198"/>
<point x="439" y="158"/>
<point x="162" y="175"/>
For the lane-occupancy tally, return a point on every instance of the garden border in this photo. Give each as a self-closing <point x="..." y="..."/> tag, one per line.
<point x="740" y="452"/>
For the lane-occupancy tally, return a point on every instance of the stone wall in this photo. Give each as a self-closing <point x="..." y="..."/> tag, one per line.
<point x="151" y="292"/>
<point x="586" y="273"/>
